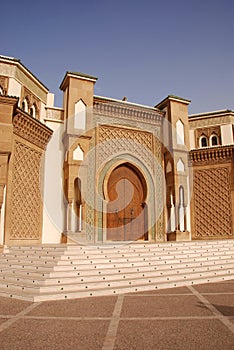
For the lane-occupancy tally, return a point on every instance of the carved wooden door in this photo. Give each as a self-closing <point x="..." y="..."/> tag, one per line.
<point x="125" y="212"/>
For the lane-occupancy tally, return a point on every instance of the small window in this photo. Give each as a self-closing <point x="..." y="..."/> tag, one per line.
<point x="203" y="141"/>
<point x="25" y="105"/>
<point x="214" y="140"/>
<point x="32" y="111"/>
<point x="1" y="91"/>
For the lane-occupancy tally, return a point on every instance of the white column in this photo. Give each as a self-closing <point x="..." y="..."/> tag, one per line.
<point x="2" y="217"/>
<point x="80" y="218"/>
<point x="172" y="217"/>
<point x="73" y="218"/>
<point x="181" y="218"/>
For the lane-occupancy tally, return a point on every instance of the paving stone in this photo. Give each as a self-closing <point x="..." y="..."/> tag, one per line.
<point x="2" y="320"/>
<point x="173" y="335"/>
<point x="222" y="302"/>
<point x="10" y="306"/>
<point x="85" y="307"/>
<point x="215" y="287"/>
<point x="155" y="306"/>
<point x="54" y="335"/>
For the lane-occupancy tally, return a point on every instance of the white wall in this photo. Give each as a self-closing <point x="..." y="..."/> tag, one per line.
<point x="191" y="139"/>
<point x="227" y="134"/>
<point x="50" y="100"/>
<point x="80" y="115"/>
<point x="2" y="217"/>
<point x="53" y="213"/>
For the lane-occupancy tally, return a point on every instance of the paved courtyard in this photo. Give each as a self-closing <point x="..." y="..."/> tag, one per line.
<point x="194" y="318"/>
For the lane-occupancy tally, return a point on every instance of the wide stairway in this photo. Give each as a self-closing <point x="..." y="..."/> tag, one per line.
<point x="53" y="272"/>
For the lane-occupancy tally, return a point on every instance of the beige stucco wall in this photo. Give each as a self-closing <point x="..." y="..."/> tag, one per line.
<point x="14" y="88"/>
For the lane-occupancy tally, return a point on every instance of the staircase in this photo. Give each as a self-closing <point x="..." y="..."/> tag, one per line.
<point x="53" y="272"/>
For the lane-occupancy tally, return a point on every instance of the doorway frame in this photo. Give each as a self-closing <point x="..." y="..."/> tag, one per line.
<point x="102" y="178"/>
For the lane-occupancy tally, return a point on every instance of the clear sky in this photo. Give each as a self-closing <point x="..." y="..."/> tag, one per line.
<point x="142" y="49"/>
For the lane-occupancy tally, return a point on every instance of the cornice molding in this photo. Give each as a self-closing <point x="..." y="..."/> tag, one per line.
<point x="212" y="155"/>
<point x="126" y="112"/>
<point x="31" y="130"/>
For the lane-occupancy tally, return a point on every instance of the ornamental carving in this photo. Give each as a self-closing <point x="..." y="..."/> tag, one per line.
<point x="126" y="112"/>
<point x="212" y="203"/>
<point x="31" y="130"/>
<point x="114" y="140"/>
<point x="211" y="155"/>
<point x="208" y="132"/>
<point x="4" y="84"/>
<point x="207" y="122"/>
<point x="32" y="100"/>
<point x="26" y="195"/>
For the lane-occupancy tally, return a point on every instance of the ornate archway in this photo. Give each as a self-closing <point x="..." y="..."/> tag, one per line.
<point x="126" y="209"/>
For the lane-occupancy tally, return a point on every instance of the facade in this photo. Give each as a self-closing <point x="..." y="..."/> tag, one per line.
<point x="102" y="170"/>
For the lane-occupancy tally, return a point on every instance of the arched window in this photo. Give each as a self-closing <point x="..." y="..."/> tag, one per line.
<point x="1" y="91"/>
<point x="25" y="105"/>
<point x="203" y="141"/>
<point x="32" y="111"/>
<point x="214" y="140"/>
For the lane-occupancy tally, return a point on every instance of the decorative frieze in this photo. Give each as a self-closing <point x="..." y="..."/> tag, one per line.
<point x="127" y="112"/>
<point x="31" y="130"/>
<point x="212" y="155"/>
<point x="54" y="114"/>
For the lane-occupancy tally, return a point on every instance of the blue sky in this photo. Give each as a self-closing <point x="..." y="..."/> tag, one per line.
<point x="144" y="50"/>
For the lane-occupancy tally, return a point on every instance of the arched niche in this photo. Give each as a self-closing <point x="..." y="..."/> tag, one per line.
<point x="180" y="132"/>
<point x="80" y="115"/>
<point x="78" y="153"/>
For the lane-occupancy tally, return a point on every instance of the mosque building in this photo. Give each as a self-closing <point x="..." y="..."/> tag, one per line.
<point x="102" y="170"/>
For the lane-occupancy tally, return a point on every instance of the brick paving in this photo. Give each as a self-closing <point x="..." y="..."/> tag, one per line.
<point x="194" y="318"/>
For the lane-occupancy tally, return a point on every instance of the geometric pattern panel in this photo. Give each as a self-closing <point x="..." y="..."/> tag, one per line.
<point x="212" y="203"/>
<point x="113" y="140"/>
<point x="26" y="194"/>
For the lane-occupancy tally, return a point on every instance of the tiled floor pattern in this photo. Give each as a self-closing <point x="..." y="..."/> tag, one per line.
<point x="195" y="318"/>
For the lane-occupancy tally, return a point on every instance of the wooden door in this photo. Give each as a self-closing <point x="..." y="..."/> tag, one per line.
<point x="125" y="210"/>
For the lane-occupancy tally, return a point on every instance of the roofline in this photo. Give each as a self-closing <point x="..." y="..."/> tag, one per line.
<point x="77" y="75"/>
<point x="126" y="103"/>
<point x="173" y="98"/>
<point x="223" y="111"/>
<point x="19" y="63"/>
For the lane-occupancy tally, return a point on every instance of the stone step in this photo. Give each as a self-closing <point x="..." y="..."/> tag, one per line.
<point x="113" y="275"/>
<point x="104" y="260"/>
<point x="116" y="249"/>
<point x="60" y="271"/>
<point x="31" y="296"/>
<point x="90" y="265"/>
<point x="109" y="271"/>
<point x="115" y="283"/>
